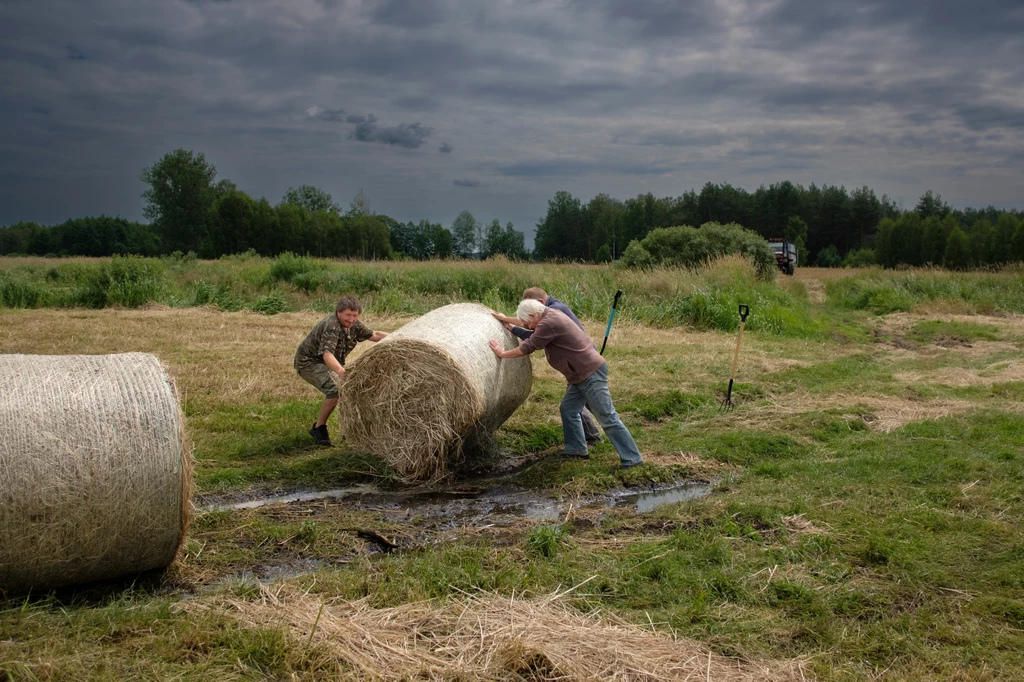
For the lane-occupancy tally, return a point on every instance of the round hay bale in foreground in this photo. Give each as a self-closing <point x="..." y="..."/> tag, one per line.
<point x="95" y="473"/>
<point x="429" y="391"/>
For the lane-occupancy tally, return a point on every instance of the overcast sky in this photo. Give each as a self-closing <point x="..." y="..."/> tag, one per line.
<point x="434" y="106"/>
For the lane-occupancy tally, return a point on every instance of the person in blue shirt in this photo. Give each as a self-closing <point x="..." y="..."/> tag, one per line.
<point x="590" y="430"/>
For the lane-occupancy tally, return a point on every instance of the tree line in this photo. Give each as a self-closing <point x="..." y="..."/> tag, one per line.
<point x="189" y="210"/>
<point x="830" y="225"/>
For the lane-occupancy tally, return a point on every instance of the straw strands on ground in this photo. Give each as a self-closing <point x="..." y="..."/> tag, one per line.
<point x="95" y="472"/>
<point x="486" y="637"/>
<point x="426" y="392"/>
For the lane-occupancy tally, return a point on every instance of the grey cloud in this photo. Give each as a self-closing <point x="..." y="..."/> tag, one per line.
<point x="600" y="94"/>
<point x="326" y="114"/>
<point x="412" y="14"/>
<point x="668" y="138"/>
<point x="986" y="116"/>
<point x="661" y="18"/>
<point x="417" y="103"/>
<point x="408" y="135"/>
<point x="465" y="182"/>
<point x="569" y="168"/>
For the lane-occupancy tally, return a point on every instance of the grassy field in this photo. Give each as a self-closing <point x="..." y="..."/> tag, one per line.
<point x="866" y="519"/>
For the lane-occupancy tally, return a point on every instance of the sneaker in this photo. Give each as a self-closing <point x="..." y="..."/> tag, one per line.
<point x="575" y="455"/>
<point x="320" y="435"/>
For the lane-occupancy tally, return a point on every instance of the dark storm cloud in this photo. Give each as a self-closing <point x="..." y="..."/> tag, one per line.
<point x="465" y="182"/>
<point x="408" y="135"/>
<point x="547" y="168"/>
<point x="670" y="138"/>
<point x="643" y="95"/>
<point x="417" y="103"/>
<point x="413" y="14"/>
<point x="980" y="117"/>
<point x="327" y="114"/>
<point x="660" y="18"/>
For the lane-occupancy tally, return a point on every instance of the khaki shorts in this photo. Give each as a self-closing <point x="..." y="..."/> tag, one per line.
<point x="320" y="377"/>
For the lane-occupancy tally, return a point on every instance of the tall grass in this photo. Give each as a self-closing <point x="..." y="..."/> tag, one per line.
<point x="886" y="291"/>
<point x="705" y="298"/>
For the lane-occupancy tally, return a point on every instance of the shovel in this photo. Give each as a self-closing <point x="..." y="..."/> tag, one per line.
<point x="611" y="318"/>
<point x="727" y="404"/>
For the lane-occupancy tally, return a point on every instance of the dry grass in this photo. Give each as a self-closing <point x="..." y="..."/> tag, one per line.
<point x="487" y="637"/>
<point x="251" y="353"/>
<point x="881" y="413"/>
<point x="959" y="377"/>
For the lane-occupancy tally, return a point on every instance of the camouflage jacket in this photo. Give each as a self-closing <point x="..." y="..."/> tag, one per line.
<point x="328" y="336"/>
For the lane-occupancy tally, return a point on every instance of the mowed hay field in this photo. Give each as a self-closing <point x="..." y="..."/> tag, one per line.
<point x="865" y="519"/>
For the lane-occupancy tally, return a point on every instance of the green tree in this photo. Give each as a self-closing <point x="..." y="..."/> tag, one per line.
<point x="464" y="235"/>
<point x="604" y="254"/>
<point x="828" y="257"/>
<point x="311" y="198"/>
<point x="931" y="205"/>
<point x="979" y="242"/>
<point x="1001" y="250"/>
<point x="885" y="253"/>
<point x="933" y="241"/>
<point x="1017" y="246"/>
<point x="442" y="242"/>
<point x="359" y="206"/>
<point x="494" y="239"/>
<point x="796" y="233"/>
<point x="179" y="197"/>
<point x="958" y="250"/>
<point x="231" y="225"/>
<point x="515" y="243"/>
<point x="557" y="234"/>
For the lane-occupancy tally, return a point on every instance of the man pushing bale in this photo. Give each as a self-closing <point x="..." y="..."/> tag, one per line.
<point x="570" y="351"/>
<point x="324" y="351"/>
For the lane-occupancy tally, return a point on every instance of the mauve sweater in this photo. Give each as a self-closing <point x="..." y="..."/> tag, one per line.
<point x="567" y="347"/>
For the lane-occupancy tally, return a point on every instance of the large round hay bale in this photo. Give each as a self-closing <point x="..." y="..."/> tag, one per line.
<point x="95" y="472"/>
<point x="432" y="389"/>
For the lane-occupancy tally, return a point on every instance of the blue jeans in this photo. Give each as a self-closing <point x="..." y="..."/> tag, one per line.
<point x="593" y="392"/>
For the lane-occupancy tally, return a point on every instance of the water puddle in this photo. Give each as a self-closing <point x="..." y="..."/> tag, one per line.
<point x="650" y="501"/>
<point x="460" y="506"/>
<point x="307" y="496"/>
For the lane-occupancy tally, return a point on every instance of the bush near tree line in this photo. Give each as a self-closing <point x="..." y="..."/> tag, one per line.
<point x="831" y="226"/>
<point x="691" y="247"/>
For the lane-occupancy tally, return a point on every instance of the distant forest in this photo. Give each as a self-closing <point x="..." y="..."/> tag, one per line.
<point x="190" y="210"/>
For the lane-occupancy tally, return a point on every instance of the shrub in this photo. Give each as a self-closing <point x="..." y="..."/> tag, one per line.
<point x="828" y="257"/>
<point x="132" y="281"/>
<point x="691" y="248"/>
<point x="859" y="258"/>
<point x="15" y="293"/>
<point x="270" y="304"/>
<point x="288" y="266"/>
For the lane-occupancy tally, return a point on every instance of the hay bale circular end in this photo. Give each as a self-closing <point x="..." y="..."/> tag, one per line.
<point x="428" y="392"/>
<point x="95" y="470"/>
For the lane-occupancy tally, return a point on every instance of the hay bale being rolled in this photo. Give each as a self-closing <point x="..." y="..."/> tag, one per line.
<point x="431" y="390"/>
<point x="95" y="473"/>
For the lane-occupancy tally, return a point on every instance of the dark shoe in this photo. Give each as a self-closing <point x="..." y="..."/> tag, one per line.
<point x="575" y="455"/>
<point x="632" y="464"/>
<point x="595" y="441"/>
<point x="319" y="434"/>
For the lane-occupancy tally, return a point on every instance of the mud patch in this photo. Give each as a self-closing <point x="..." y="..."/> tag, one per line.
<point x="282" y="536"/>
